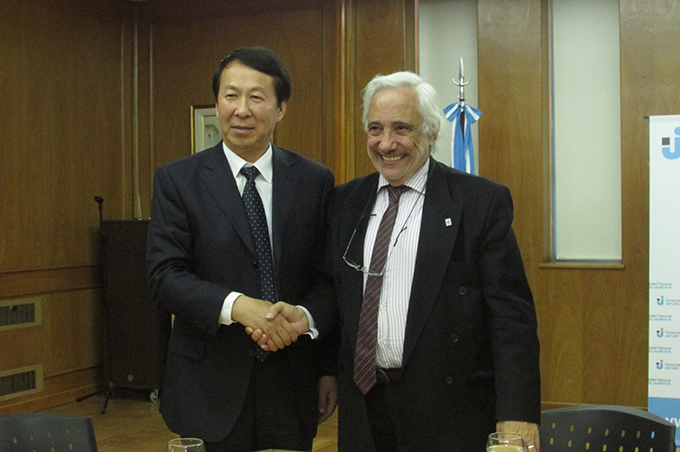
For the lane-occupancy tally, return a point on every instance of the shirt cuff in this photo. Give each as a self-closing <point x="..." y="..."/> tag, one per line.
<point x="313" y="332"/>
<point x="225" y="314"/>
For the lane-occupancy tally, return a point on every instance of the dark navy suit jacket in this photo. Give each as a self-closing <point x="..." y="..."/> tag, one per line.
<point x="200" y="249"/>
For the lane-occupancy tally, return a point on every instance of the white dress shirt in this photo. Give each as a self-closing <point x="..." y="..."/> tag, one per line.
<point x="399" y="267"/>
<point x="263" y="183"/>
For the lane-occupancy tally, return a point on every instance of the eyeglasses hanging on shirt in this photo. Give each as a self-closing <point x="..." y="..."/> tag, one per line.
<point x="360" y="267"/>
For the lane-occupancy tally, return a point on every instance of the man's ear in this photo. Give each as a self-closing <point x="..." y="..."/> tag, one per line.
<point x="282" y="110"/>
<point x="431" y="140"/>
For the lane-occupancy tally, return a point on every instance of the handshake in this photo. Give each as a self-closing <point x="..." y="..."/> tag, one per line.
<point x="272" y="326"/>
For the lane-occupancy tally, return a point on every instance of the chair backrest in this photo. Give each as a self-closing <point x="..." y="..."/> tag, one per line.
<point x="605" y="428"/>
<point x="46" y="432"/>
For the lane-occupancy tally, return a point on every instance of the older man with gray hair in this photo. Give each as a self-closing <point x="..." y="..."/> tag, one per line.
<point x="438" y="345"/>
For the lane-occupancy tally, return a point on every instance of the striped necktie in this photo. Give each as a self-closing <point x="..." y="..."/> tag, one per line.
<point x="364" y="355"/>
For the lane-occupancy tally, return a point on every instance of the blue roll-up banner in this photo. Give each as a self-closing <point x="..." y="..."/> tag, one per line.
<point x="664" y="268"/>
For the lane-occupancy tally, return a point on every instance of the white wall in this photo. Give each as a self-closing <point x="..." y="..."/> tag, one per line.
<point x="447" y="31"/>
<point x="587" y="141"/>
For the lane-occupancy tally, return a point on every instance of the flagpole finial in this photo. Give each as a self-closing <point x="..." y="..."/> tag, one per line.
<point x="461" y="81"/>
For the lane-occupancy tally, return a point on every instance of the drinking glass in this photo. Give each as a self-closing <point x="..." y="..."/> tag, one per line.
<point x="186" y="445"/>
<point x="505" y="442"/>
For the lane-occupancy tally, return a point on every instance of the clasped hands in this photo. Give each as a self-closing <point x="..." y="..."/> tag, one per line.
<point x="275" y="326"/>
<point x="272" y="326"/>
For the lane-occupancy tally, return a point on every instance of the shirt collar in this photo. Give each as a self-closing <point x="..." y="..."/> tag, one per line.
<point x="264" y="164"/>
<point x="417" y="182"/>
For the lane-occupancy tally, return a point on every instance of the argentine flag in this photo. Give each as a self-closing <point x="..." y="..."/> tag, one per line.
<point x="463" y="153"/>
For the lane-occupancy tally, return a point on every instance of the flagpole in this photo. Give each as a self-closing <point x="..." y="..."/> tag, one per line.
<point x="461" y="94"/>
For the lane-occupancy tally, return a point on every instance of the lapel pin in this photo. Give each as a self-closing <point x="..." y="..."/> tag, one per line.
<point x="447" y="222"/>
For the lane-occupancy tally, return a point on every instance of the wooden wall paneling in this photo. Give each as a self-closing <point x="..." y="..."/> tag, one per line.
<point x="179" y="77"/>
<point x="185" y="54"/>
<point x="98" y="8"/>
<point x="139" y="116"/>
<point x="604" y="331"/>
<point x="63" y="128"/>
<point x="511" y="88"/>
<point x="592" y="319"/>
<point x="12" y="116"/>
<point x="60" y="146"/>
<point x="24" y="283"/>
<point x="74" y="333"/>
<point x="562" y="339"/>
<point x="172" y="10"/>
<point x="303" y="130"/>
<point x="384" y="42"/>
<point x="339" y="89"/>
<point x="650" y="64"/>
<point x="510" y="97"/>
<point x="68" y="344"/>
<point x="547" y="115"/>
<point x="58" y="390"/>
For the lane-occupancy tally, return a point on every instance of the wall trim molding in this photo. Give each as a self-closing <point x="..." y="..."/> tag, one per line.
<point x="21" y="283"/>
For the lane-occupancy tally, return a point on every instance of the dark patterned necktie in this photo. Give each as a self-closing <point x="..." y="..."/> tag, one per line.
<point x="364" y="354"/>
<point x="260" y="231"/>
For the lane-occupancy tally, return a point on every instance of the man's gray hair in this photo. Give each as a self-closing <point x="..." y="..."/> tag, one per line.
<point x="428" y="105"/>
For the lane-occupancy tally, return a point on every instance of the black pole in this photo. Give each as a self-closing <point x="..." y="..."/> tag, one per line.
<point x="99" y="200"/>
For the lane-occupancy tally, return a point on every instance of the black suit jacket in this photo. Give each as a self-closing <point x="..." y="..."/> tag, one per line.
<point x="471" y="352"/>
<point x="200" y="249"/>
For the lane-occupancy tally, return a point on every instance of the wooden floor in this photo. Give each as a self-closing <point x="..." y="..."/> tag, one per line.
<point x="133" y="424"/>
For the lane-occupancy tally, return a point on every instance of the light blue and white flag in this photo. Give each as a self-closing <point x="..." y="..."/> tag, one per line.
<point x="463" y="152"/>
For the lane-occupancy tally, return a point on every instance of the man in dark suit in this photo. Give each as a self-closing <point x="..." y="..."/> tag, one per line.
<point x="438" y="327"/>
<point x="216" y="261"/>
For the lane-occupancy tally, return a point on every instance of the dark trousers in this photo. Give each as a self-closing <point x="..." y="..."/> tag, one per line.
<point x="391" y="432"/>
<point x="382" y="403"/>
<point x="270" y="418"/>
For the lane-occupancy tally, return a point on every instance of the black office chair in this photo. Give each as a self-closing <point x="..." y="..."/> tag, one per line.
<point x="605" y="428"/>
<point x="46" y="432"/>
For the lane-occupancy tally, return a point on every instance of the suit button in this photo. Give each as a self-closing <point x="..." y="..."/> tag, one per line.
<point x="462" y="290"/>
<point x="454" y="338"/>
<point x="449" y="380"/>
<point x="254" y="264"/>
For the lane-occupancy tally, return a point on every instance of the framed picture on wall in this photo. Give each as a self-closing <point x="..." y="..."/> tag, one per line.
<point x="205" y="128"/>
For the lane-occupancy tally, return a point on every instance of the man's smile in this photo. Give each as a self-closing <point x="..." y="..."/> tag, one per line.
<point x="393" y="158"/>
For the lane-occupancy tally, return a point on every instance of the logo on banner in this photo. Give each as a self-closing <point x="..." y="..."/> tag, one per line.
<point x="661" y="285"/>
<point x="660" y="318"/>
<point x="673" y="153"/>
<point x="659" y="349"/>
<point x="662" y="365"/>
<point x="662" y="300"/>
<point x="664" y="273"/>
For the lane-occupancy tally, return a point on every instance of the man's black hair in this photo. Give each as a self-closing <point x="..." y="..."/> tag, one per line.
<point x="262" y="60"/>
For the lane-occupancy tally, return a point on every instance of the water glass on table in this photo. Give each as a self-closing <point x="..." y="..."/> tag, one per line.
<point x="186" y="445"/>
<point x="505" y="442"/>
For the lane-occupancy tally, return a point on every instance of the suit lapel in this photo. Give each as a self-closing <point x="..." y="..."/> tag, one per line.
<point x="219" y="180"/>
<point x="438" y="232"/>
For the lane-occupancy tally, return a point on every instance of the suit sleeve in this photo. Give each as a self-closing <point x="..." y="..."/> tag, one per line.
<point x="511" y="316"/>
<point x="172" y="278"/>
<point x="321" y="301"/>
